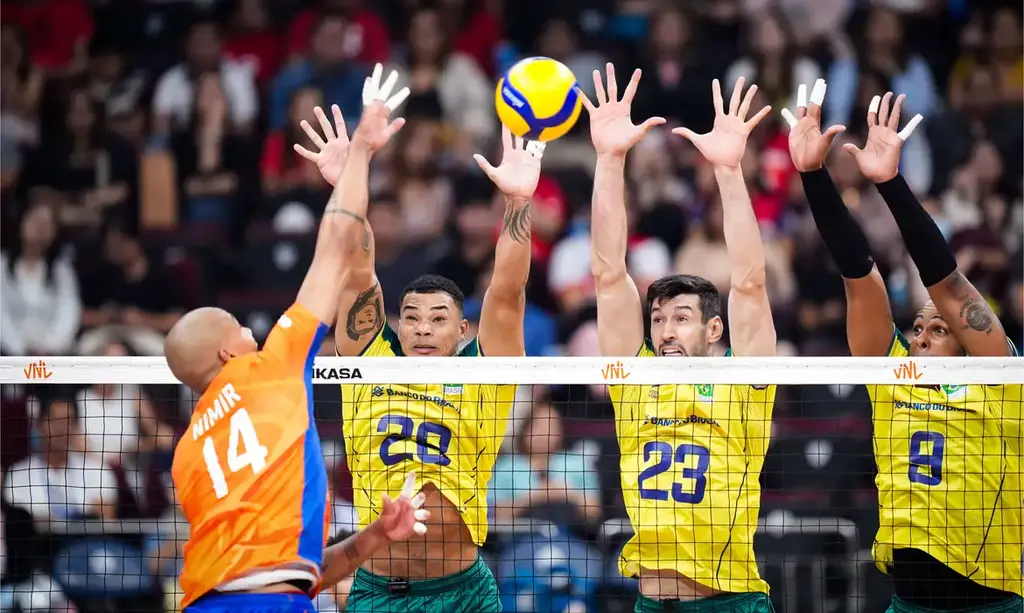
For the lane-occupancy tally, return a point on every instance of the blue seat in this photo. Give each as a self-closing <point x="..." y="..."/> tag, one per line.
<point x="102" y="568"/>
<point x="546" y="574"/>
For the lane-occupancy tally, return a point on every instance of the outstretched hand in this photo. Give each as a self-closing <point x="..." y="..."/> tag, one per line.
<point x="331" y="154"/>
<point x="611" y="128"/>
<point x="879" y="160"/>
<point x="808" y="145"/>
<point x="519" y="171"/>
<point x="402" y="517"/>
<point x="726" y="143"/>
<point x="375" y="128"/>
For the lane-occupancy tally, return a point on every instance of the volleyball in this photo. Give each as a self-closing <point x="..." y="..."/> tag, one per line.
<point x="537" y="99"/>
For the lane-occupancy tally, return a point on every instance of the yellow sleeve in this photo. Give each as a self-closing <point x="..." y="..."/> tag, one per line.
<point x="630" y="393"/>
<point x="759" y="404"/>
<point x="900" y="346"/>
<point x="385" y="344"/>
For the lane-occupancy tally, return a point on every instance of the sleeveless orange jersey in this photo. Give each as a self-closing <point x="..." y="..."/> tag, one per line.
<point x="249" y="471"/>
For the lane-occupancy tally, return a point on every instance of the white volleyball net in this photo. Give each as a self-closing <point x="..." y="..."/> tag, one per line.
<point x="90" y="522"/>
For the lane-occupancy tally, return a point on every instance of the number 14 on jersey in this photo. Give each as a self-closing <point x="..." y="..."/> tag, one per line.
<point x="244" y="449"/>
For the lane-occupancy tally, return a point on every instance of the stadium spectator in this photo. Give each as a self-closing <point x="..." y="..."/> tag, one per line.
<point x="41" y="309"/>
<point x="88" y="171"/>
<point x="59" y="32"/>
<point x="22" y="91"/>
<point x="543" y="480"/>
<point x="416" y="174"/>
<point x="216" y="168"/>
<point x="60" y="482"/>
<point x="175" y="95"/>
<point x="397" y="262"/>
<point x="128" y="297"/>
<point x="366" y="37"/>
<point x="559" y="40"/>
<point x="282" y="170"/>
<point x="772" y="59"/>
<point x="251" y="40"/>
<point x="432" y="68"/>
<point x="327" y="67"/>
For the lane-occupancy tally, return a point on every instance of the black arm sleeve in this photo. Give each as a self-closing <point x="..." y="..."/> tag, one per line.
<point x="925" y="243"/>
<point x="843" y="237"/>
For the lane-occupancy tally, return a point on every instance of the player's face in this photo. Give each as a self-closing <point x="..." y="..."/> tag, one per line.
<point x="431" y="325"/>
<point x="240" y="340"/>
<point x="677" y="330"/>
<point x="932" y="336"/>
<point x="56" y="429"/>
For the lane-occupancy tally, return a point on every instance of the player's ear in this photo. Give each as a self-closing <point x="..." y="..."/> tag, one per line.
<point x="713" y="331"/>
<point x="463" y="329"/>
<point x="225" y="354"/>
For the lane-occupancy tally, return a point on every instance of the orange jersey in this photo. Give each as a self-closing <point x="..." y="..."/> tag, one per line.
<point x="249" y="471"/>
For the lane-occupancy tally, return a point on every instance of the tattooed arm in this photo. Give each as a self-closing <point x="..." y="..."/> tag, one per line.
<point x="341" y="559"/>
<point x="970" y="318"/>
<point x="504" y="307"/>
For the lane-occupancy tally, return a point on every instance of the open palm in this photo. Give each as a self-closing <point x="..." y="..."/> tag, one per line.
<point x="332" y="152"/>
<point x="879" y="160"/>
<point x="726" y="143"/>
<point x="519" y="171"/>
<point x="611" y="128"/>
<point x="808" y="145"/>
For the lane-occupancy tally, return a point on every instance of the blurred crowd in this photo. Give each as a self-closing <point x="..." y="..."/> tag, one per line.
<point x="146" y="167"/>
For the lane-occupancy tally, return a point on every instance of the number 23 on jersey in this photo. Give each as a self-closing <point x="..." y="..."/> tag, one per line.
<point x="244" y="450"/>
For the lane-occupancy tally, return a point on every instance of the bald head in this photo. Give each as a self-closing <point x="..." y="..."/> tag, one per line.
<point x="202" y="341"/>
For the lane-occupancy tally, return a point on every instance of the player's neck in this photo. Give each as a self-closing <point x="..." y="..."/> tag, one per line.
<point x="55" y="458"/>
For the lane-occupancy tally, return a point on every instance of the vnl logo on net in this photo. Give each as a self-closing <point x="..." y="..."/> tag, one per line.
<point x="37" y="371"/>
<point x="908" y="371"/>
<point x="615" y="371"/>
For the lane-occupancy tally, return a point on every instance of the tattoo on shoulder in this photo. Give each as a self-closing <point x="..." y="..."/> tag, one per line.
<point x="517" y="222"/>
<point x="366" y="314"/>
<point x="974" y="311"/>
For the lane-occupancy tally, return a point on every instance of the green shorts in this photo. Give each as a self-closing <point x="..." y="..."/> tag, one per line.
<point x="474" y="590"/>
<point x="1014" y="605"/>
<point x="754" y="602"/>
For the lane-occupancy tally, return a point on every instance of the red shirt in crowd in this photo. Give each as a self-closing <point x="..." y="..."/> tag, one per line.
<point x="55" y="29"/>
<point x="367" y="35"/>
<point x="262" y="50"/>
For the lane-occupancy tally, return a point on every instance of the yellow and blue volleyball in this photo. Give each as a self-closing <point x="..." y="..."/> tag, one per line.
<point x="537" y="99"/>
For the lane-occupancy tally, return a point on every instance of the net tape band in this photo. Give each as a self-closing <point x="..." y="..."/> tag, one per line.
<point x="556" y="370"/>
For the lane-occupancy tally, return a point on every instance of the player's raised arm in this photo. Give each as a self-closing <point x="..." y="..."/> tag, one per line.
<point x="620" y="319"/>
<point x="751" y="328"/>
<point x="970" y="318"/>
<point x="869" y="324"/>
<point x="360" y="308"/>
<point x="504" y="307"/>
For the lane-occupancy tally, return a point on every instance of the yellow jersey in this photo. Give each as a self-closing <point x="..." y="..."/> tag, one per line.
<point x="447" y="432"/>
<point x="691" y="461"/>
<point x="949" y="475"/>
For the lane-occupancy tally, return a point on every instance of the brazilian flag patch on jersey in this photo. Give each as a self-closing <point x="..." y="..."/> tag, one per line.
<point x="955" y="392"/>
<point x="452" y="390"/>
<point x="705" y="393"/>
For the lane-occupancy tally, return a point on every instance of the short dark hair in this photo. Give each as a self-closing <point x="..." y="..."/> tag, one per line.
<point x="435" y="284"/>
<point x="49" y="395"/>
<point x="668" y="288"/>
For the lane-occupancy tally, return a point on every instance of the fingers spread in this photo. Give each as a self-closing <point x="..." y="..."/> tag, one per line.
<point x="737" y="93"/>
<point x="421" y="514"/>
<point x="418" y="500"/>
<point x="306" y="153"/>
<point x="395" y="126"/>
<point x="651" y="122"/>
<point x="831" y="134"/>
<point x="613" y="86"/>
<point x="801" y="96"/>
<point x="910" y="127"/>
<point x="756" y="119"/>
<point x="852" y="149"/>
<point x="883" y="110"/>
<point x="385" y="89"/>
<point x="484" y="165"/>
<point x="599" y="88"/>
<point x="339" y="121"/>
<point x="716" y="95"/>
<point x="519" y="143"/>
<point x="312" y="134"/>
<point x="634" y="82"/>
<point x="686" y="133"/>
<point x="788" y="117"/>
<point x="396" y="101"/>
<point x="587" y="104"/>
<point x="325" y="124"/>
<point x="409" y="486"/>
<point x="894" y="117"/>
<point x="873" y="111"/>
<point x="747" y="101"/>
